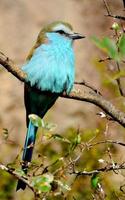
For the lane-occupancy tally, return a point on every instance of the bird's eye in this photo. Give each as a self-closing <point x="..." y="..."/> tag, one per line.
<point x="60" y="32"/>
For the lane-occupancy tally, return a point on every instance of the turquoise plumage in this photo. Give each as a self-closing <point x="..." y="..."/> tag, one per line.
<point x="52" y="66"/>
<point x="50" y="71"/>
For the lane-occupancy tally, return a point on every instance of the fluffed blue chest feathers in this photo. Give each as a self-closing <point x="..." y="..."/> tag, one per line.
<point x="51" y="67"/>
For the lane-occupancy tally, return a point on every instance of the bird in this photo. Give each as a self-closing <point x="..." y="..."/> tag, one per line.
<point x="50" y="69"/>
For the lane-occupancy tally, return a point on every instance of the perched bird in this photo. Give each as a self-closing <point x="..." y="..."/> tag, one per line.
<point x="50" y="71"/>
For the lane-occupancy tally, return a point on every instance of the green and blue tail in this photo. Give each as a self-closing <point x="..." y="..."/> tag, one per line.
<point x="28" y="151"/>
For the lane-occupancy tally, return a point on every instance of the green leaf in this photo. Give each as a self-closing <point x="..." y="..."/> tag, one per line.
<point x="48" y="178"/>
<point x="60" y="138"/>
<point x="44" y="187"/>
<point x="36" y="120"/>
<point x="95" y="181"/>
<point x="78" y="139"/>
<point x="75" y="142"/>
<point x="108" y="46"/>
<point x="42" y="183"/>
<point x="49" y="126"/>
<point x="118" y="75"/>
<point x="97" y="42"/>
<point x="121" y="45"/>
<point x="20" y="172"/>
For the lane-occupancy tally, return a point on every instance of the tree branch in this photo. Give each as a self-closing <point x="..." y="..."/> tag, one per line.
<point x="90" y="96"/>
<point x="107" y="168"/>
<point x="11" y="67"/>
<point x="17" y="176"/>
<point x="109" y="14"/>
<point x="107" y="141"/>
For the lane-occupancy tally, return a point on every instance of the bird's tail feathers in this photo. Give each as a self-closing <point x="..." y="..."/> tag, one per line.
<point x="28" y="151"/>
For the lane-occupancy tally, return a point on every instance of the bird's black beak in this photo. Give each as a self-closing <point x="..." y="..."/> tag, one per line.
<point x="76" y="36"/>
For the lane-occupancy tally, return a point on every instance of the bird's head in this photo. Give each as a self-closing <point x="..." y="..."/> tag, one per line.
<point x="58" y="29"/>
<point x="56" y="32"/>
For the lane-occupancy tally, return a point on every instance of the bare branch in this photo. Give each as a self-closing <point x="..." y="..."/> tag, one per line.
<point x="81" y="95"/>
<point x="11" y="67"/>
<point x="116" y="17"/>
<point x="107" y="141"/>
<point x="107" y="7"/>
<point x="109" y="14"/>
<point x="98" y="100"/>
<point x="119" y="81"/>
<point x="107" y="168"/>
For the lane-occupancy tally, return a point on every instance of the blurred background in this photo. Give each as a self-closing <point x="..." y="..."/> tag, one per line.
<point x="20" y="23"/>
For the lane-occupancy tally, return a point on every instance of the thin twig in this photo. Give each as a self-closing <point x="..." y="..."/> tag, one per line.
<point x="107" y="141"/>
<point x="109" y="14"/>
<point x="116" y="17"/>
<point x="107" y="7"/>
<point x="107" y="168"/>
<point x="119" y="81"/>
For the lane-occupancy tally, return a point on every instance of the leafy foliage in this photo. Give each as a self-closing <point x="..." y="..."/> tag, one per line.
<point x="43" y="183"/>
<point x="95" y="181"/>
<point x="108" y="46"/>
<point x="115" y="51"/>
